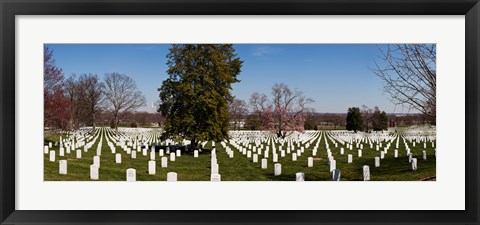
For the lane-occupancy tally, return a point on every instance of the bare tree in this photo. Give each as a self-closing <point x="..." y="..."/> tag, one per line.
<point x="237" y="110"/>
<point x="409" y="74"/>
<point x="92" y="99"/>
<point x="85" y="94"/>
<point x="122" y="94"/>
<point x="259" y="104"/>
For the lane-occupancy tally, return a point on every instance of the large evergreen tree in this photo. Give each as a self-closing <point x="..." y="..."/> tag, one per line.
<point x="195" y="96"/>
<point x="379" y="120"/>
<point x="354" y="119"/>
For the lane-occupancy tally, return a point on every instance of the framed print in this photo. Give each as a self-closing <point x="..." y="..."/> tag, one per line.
<point x="255" y="94"/>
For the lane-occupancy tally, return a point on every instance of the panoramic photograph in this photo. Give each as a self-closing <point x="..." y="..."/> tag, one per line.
<point x="239" y="112"/>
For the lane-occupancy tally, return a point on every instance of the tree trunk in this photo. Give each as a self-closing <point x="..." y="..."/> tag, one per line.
<point x="93" y="121"/>
<point x="193" y="144"/>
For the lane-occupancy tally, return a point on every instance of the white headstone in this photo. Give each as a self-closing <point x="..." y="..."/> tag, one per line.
<point x="172" y="156"/>
<point x="96" y="161"/>
<point x="133" y="154"/>
<point x="160" y="152"/>
<point x="52" y="156"/>
<point x="377" y="161"/>
<point x="131" y="175"/>
<point x="294" y="156"/>
<point x="152" y="155"/>
<point x="275" y="157"/>
<point x="195" y="154"/>
<point x="215" y="177"/>
<point x="300" y="176"/>
<point x="395" y="153"/>
<point x="341" y="151"/>
<point x="366" y="173"/>
<point x="179" y="153"/>
<point x="414" y="164"/>
<point x="118" y="158"/>
<point x="359" y="152"/>
<point x="310" y="162"/>
<point x="49" y="144"/>
<point x="424" y="155"/>
<point x="94" y="172"/>
<point x="151" y="167"/>
<point x="214" y="169"/>
<point x="172" y="176"/>
<point x="255" y="158"/>
<point x="62" y="151"/>
<point x="278" y="169"/>
<point x="410" y="157"/>
<point x="164" y="162"/>
<point x="62" y="167"/>
<point x="350" y="158"/>
<point x="333" y="165"/>
<point x="249" y="154"/>
<point x="45" y="149"/>
<point x="264" y="163"/>
<point x="382" y="154"/>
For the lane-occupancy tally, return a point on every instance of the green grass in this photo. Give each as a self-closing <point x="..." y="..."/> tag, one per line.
<point x="241" y="168"/>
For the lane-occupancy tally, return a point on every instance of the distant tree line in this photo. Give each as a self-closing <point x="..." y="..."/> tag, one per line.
<point x="78" y="100"/>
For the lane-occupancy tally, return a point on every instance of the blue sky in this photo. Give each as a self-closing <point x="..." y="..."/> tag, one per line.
<point x="336" y="76"/>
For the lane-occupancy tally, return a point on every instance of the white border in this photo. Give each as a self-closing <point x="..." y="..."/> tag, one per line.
<point x="447" y="31"/>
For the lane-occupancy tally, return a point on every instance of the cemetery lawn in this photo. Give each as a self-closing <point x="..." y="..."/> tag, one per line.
<point x="241" y="168"/>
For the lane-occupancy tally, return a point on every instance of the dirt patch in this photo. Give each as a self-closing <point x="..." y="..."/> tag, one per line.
<point x="429" y="179"/>
<point x="317" y="159"/>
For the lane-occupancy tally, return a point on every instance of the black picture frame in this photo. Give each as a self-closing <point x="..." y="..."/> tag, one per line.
<point x="10" y="8"/>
